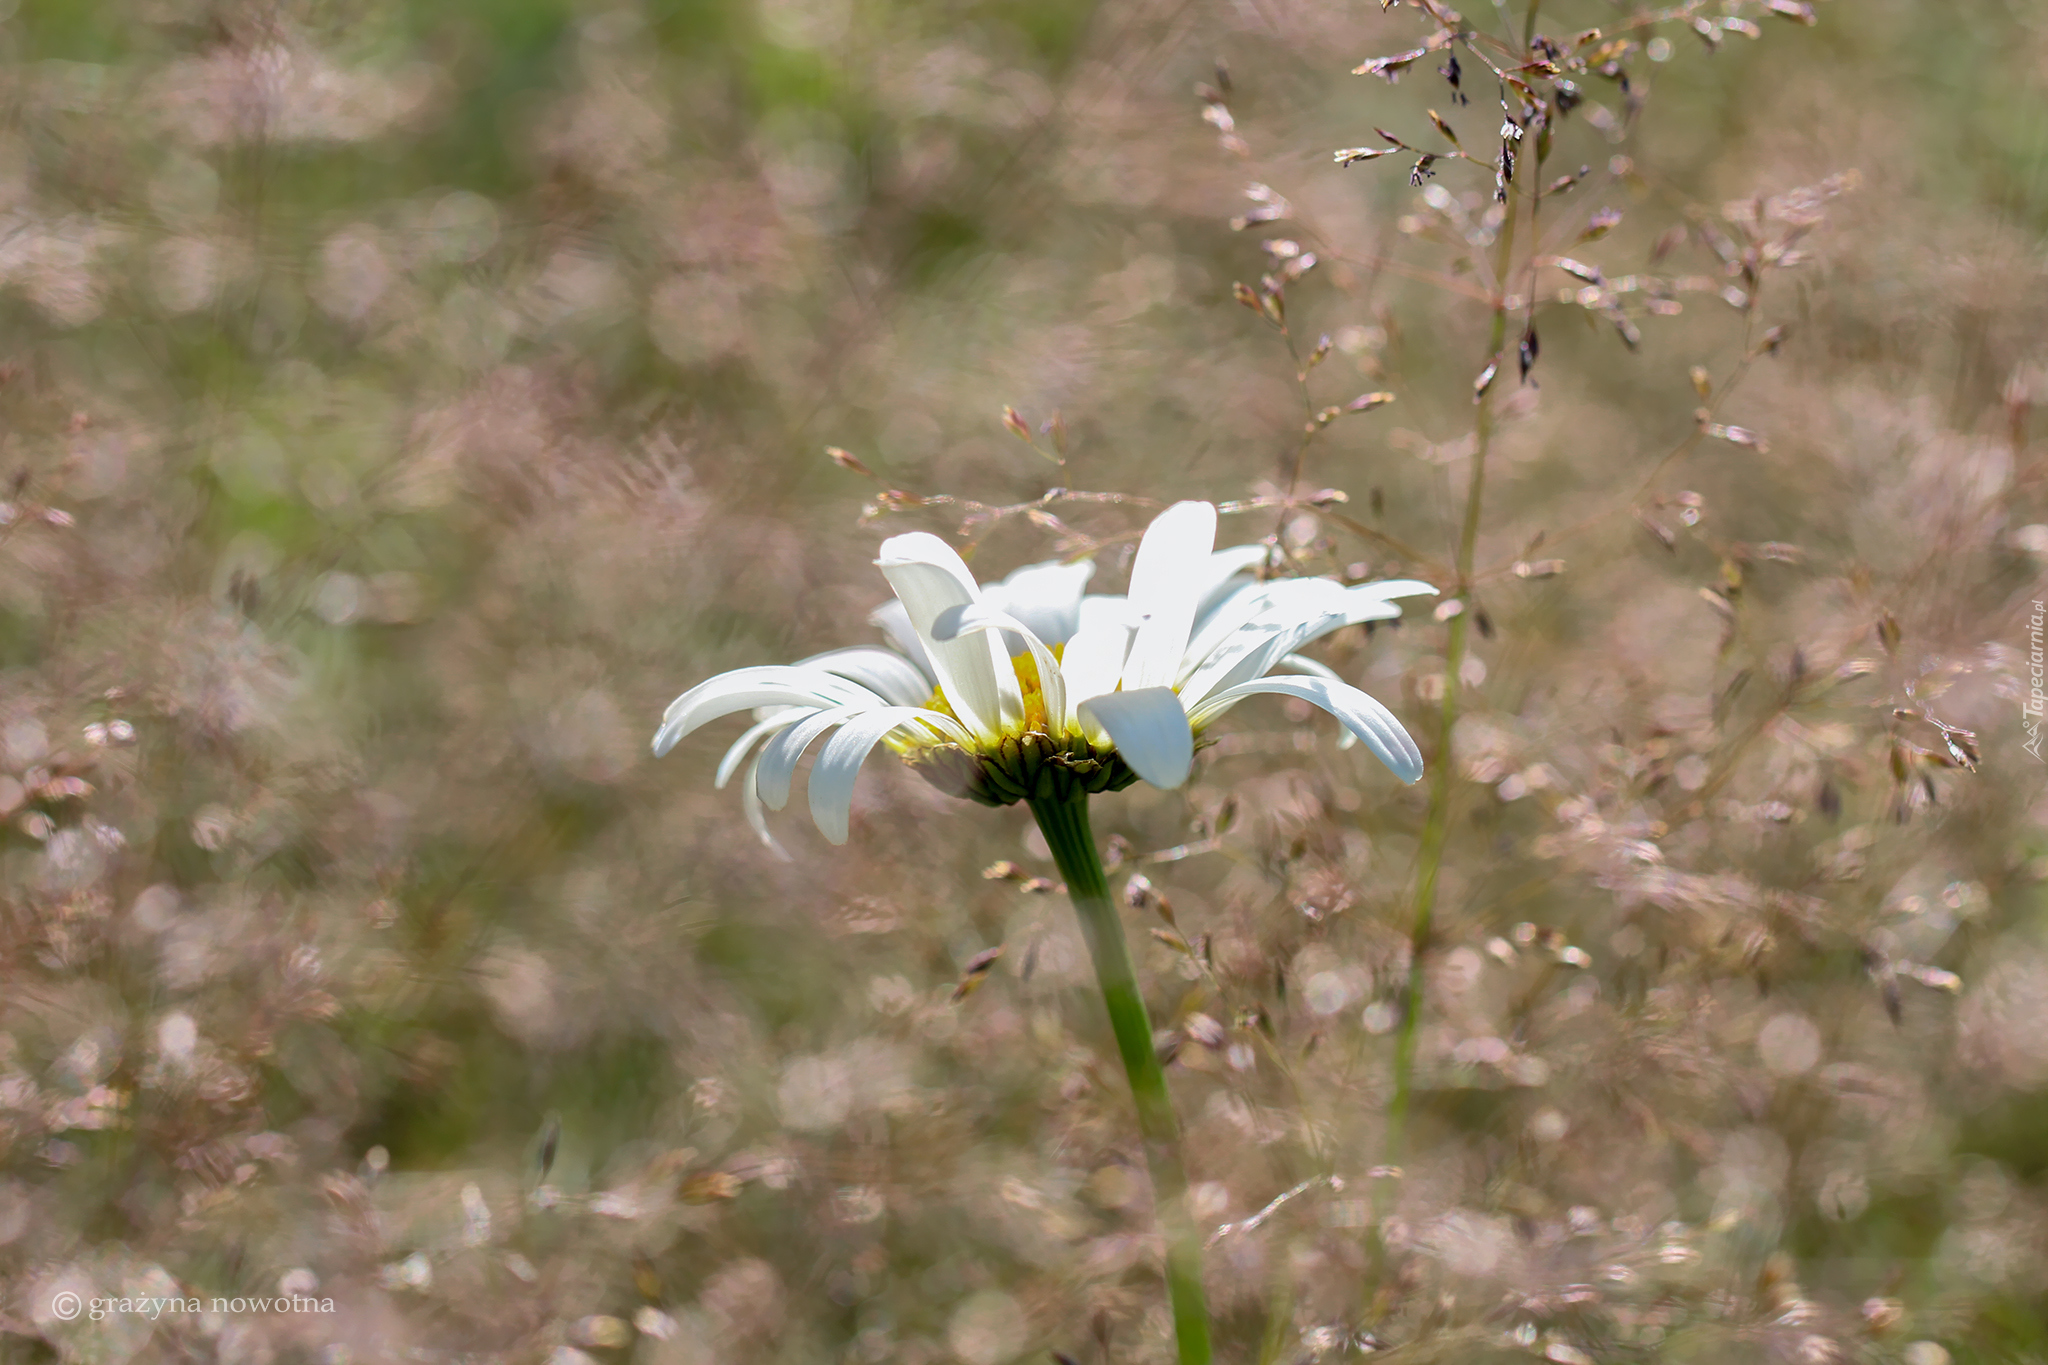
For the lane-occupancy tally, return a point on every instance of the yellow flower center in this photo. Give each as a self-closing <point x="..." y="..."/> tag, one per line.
<point x="1028" y="683"/>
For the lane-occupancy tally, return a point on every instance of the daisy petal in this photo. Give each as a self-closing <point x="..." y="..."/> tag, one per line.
<point x="1045" y="597"/>
<point x="894" y="620"/>
<point x="760" y="676"/>
<point x="746" y="688"/>
<point x="956" y="622"/>
<point x="888" y="675"/>
<point x="744" y="745"/>
<point x="1301" y="663"/>
<point x="1150" y="731"/>
<point x="928" y="577"/>
<point x="1292" y="598"/>
<point x="838" y="765"/>
<point x="1278" y="607"/>
<point x="1387" y="589"/>
<point x="1352" y="606"/>
<point x="1295" y="613"/>
<point x="1366" y="602"/>
<point x="1227" y="573"/>
<point x="1361" y="715"/>
<point x="779" y="758"/>
<point x="1253" y="629"/>
<point x="1167" y="584"/>
<point x="757" y="820"/>
<point x="1094" y="659"/>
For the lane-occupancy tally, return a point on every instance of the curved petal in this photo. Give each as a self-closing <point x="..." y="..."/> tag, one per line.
<point x="1094" y="659"/>
<point x="1151" y="732"/>
<point x="955" y="622"/>
<point x="1045" y="597"/>
<point x="779" y="758"/>
<point x="887" y="674"/>
<point x="1387" y="589"/>
<point x="1227" y="573"/>
<point x="1235" y="593"/>
<point x="776" y="768"/>
<point x="945" y="726"/>
<point x="1288" y="603"/>
<point x="1290" y="598"/>
<point x="1301" y="663"/>
<point x="746" y="688"/>
<point x="1350" y="606"/>
<point x="1236" y="559"/>
<point x="742" y="746"/>
<point x="750" y="802"/>
<point x="894" y="619"/>
<point x="1167" y="585"/>
<point x="974" y="673"/>
<point x="1253" y="629"/>
<point x="1291" y="613"/>
<point x="1102" y="608"/>
<point x="1361" y="715"/>
<point x="758" y="676"/>
<point x="838" y="766"/>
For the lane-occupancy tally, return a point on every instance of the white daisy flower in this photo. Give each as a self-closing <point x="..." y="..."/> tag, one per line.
<point x="1029" y="690"/>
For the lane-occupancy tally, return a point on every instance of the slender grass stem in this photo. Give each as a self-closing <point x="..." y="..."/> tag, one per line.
<point x="1437" y="823"/>
<point x="1065" y="824"/>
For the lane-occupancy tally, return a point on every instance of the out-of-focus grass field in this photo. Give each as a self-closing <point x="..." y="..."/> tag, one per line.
<point x="401" y="402"/>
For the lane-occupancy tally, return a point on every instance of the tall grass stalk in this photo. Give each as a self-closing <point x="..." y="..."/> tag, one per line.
<point x="1436" y="824"/>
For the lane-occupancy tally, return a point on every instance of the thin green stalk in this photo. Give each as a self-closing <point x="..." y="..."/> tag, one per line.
<point x="1437" y="823"/>
<point x="1065" y="824"/>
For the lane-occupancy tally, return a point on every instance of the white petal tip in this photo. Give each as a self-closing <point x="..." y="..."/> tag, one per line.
<point x="1360" y="714"/>
<point x="915" y="547"/>
<point x="1397" y="751"/>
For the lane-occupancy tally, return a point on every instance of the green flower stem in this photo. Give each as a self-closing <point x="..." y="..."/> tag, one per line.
<point x="1065" y="823"/>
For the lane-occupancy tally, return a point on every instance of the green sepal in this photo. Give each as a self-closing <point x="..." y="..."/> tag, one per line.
<point x="1029" y="767"/>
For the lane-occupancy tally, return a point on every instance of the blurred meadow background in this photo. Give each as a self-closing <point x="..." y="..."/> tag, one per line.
<point x="400" y="402"/>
